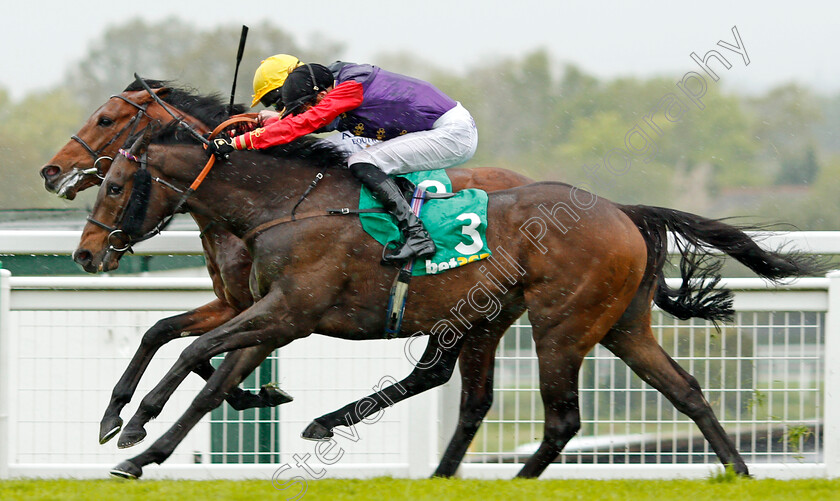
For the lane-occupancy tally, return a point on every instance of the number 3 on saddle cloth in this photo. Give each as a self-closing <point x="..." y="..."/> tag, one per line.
<point x="457" y="224"/>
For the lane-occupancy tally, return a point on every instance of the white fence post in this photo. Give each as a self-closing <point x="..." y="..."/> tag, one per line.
<point x="5" y="361"/>
<point x="831" y="427"/>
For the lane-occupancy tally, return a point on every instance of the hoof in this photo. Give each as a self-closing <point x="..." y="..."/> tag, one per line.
<point x="272" y="395"/>
<point x="244" y="400"/>
<point x="316" y="431"/>
<point x="130" y="438"/>
<point x="109" y="427"/>
<point x="126" y="469"/>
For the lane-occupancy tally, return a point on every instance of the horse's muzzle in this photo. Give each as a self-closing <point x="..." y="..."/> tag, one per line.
<point x="50" y="173"/>
<point x="84" y="258"/>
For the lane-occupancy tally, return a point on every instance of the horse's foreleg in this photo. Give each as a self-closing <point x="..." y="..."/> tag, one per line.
<point x="434" y="368"/>
<point x="191" y="323"/>
<point x="258" y="324"/>
<point x="235" y="367"/>
<point x="638" y="348"/>
<point x="476" y="363"/>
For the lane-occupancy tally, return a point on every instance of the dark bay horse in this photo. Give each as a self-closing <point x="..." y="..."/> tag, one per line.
<point x="96" y="143"/>
<point x="83" y="161"/>
<point x="591" y="283"/>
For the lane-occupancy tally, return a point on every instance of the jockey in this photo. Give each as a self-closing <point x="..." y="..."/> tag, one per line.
<point x="268" y="84"/>
<point x="420" y="127"/>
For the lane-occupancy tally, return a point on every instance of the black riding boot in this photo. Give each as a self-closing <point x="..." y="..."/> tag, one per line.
<point x="418" y="243"/>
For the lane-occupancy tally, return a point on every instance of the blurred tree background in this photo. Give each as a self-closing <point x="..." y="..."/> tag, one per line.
<point x="774" y="156"/>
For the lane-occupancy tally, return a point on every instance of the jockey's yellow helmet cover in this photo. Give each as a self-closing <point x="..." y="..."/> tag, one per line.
<point x="272" y="74"/>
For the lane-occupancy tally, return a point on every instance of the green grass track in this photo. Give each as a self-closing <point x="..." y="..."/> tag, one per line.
<point x="721" y="488"/>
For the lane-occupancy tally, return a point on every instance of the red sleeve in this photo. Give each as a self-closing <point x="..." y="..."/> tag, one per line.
<point x="344" y="97"/>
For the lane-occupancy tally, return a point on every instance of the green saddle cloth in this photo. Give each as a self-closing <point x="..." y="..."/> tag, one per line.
<point x="457" y="225"/>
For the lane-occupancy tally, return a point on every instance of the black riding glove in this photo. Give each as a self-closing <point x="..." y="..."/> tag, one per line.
<point x="221" y="147"/>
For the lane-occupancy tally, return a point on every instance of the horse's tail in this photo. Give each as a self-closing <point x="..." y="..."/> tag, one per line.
<point x="697" y="296"/>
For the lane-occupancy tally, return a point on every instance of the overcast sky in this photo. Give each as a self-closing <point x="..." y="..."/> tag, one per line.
<point x="785" y="41"/>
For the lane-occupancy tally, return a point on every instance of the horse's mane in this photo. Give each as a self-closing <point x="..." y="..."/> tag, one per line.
<point x="209" y="109"/>
<point x="307" y="149"/>
<point x="322" y="154"/>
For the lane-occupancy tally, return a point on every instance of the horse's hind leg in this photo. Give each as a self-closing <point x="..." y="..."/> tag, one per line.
<point x="637" y="347"/>
<point x="434" y="368"/>
<point x="235" y="367"/>
<point x="559" y="366"/>
<point x="564" y="332"/>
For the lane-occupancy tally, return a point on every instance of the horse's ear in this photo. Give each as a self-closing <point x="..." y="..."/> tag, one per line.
<point x="162" y="92"/>
<point x="138" y="82"/>
<point x="140" y="145"/>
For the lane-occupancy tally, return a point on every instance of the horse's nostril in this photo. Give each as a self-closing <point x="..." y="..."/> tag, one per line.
<point x="82" y="257"/>
<point x="50" y="171"/>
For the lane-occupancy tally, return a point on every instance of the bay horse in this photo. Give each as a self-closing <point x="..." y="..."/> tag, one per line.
<point x="581" y="287"/>
<point x="84" y="161"/>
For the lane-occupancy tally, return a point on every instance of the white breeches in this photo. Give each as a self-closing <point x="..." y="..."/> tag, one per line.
<point x="350" y="143"/>
<point x="452" y="141"/>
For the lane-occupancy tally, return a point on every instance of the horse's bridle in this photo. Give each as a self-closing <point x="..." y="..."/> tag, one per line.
<point x="132" y="124"/>
<point x="116" y="232"/>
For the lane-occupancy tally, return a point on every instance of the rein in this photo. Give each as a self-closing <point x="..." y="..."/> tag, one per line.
<point x="180" y="120"/>
<point x="118" y="239"/>
<point x="117" y="232"/>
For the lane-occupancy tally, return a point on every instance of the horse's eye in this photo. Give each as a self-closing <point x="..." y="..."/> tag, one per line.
<point x="105" y="122"/>
<point x="115" y="189"/>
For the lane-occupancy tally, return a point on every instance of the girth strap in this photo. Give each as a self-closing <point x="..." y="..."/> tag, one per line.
<point x="248" y="237"/>
<point x="348" y="211"/>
